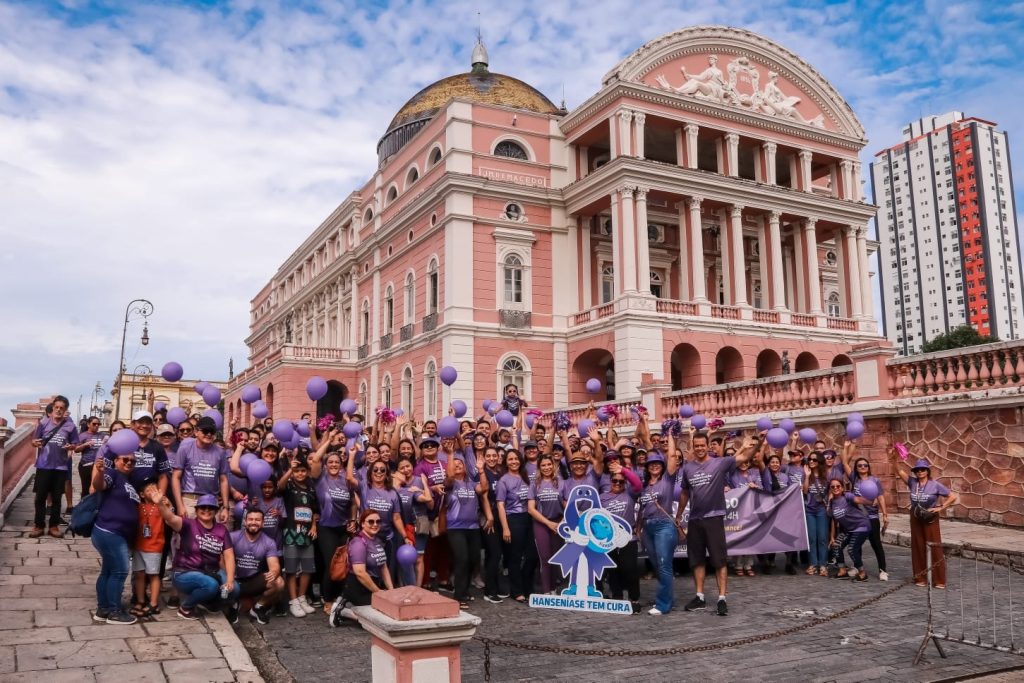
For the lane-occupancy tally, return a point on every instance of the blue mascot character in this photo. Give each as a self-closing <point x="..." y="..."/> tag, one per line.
<point x="590" y="533"/>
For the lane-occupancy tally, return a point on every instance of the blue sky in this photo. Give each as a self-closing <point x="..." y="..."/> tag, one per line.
<point x="180" y="151"/>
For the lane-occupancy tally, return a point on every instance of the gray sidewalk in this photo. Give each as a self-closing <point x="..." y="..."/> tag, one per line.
<point x="47" y="595"/>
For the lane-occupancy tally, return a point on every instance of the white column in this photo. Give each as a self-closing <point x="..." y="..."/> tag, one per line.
<point x="356" y="321"/>
<point x="627" y="254"/>
<point x="805" y="169"/>
<point x="853" y="268"/>
<point x="791" y="299"/>
<point x="763" y="257"/>
<point x="584" y="161"/>
<point x="768" y="150"/>
<point x="858" y="190"/>
<point x="778" y="278"/>
<point x="625" y="142"/>
<point x="739" y="271"/>
<point x="638" y="127"/>
<point x="846" y="173"/>
<point x="643" y="249"/>
<point x="680" y="148"/>
<point x="813" y="276"/>
<point x="613" y="137"/>
<point x="684" y="265"/>
<point x="799" y="258"/>
<point x="724" y="260"/>
<point x="616" y="251"/>
<point x="867" y="304"/>
<point x="691" y="144"/>
<point x="587" y="259"/>
<point x="732" y="147"/>
<point x="697" y="250"/>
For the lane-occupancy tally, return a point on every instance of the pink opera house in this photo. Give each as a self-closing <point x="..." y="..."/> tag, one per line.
<point x="700" y="217"/>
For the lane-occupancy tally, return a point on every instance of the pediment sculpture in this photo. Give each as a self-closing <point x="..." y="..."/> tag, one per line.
<point x="742" y="89"/>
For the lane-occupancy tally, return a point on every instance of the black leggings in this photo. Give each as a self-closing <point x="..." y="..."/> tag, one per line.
<point x="356" y="593"/>
<point x="465" y="545"/>
<point x="492" y="559"/>
<point x="875" y="539"/>
<point x="49" y="484"/>
<point x="85" y="476"/>
<point x="329" y="539"/>
<point x="520" y="554"/>
<point x="625" y="577"/>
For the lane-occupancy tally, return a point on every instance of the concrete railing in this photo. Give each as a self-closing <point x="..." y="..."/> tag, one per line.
<point x="975" y="368"/>
<point x="17" y="455"/>
<point x="578" y="412"/>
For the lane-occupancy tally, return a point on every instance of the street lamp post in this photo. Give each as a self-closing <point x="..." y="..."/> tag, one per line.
<point x="146" y="372"/>
<point x="141" y="307"/>
<point x="94" y="402"/>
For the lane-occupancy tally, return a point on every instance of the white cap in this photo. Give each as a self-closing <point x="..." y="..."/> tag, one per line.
<point x="141" y="414"/>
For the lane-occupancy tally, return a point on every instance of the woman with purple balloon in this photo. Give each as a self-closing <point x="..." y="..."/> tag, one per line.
<point x="863" y="483"/>
<point x="338" y="511"/>
<point x="414" y="493"/>
<point x="775" y="480"/>
<point x="816" y="491"/>
<point x="377" y="492"/>
<point x="368" y="560"/>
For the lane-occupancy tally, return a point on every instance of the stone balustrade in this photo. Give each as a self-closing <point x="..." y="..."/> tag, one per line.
<point x="976" y="368"/>
<point x="578" y="412"/>
<point x="294" y="352"/>
<point x="676" y="307"/>
<point x="725" y="312"/>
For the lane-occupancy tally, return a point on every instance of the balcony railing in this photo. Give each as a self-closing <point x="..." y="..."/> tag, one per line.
<point x="385" y="342"/>
<point x="842" y="324"/>
<point x="726" y="312"/>
<point x="975" y="368"/>
<point x="578" y="412"/>
<point x="676" y="307"/>
<point x="313" y="353"/>
<point x="363" y="351"/>
<point x="771" y="317"/>
<point x="517" y="320"/>
<point x="430" y="322"/>
<point x="604" y="310"/>
<point x="803" y="320"/>
<point x="582" y="318"/>
<point x="406" y="332"/>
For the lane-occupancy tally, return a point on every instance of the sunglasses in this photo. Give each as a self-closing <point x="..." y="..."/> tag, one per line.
<point x="160" y="436"/>
<point x="372" y="522"/>
<point x="813" y="461"/>
<point x="834" y="486"/>
<point x="126" y="461"/>
<point x="379" y="470"/>
<point x="618" y="481"/>
<point x="187" y="430"/>
<point x="208" y="432"/>
<point x="862" y="464"/>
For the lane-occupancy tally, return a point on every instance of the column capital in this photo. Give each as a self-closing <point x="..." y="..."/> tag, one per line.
<point x="626" y="192"/>
<point x="809" y="223"/>
<point x="736" y="210"/>
<point x="775" y="216"/>
<point x="679" y="206"/>
<point x="694" y="202"/>
<point x="691" y="128"/>
<point x="732" y="138"/>
<point x="625" y="115"/>
<point x="861" y="231"/>
<point x="769" y="147"/>
<point x="639" y="117"/>
<point x="641" y="193"/>
<point x="846" y="163"/>
<point x="806" y="155"/>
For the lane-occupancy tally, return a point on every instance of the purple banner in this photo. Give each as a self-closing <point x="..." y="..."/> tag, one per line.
<point x="757" y="522"/>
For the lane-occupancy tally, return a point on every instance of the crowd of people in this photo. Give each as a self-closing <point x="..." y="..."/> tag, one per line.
<point x="481" y="509"/>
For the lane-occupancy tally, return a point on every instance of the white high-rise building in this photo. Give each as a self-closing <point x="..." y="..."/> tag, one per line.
<point x="947" y="229"/>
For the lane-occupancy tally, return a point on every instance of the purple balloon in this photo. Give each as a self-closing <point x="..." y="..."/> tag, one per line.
<point x="159" y="405"/>
<point x="699" y="421"/>
<point x="172" y="371"/>
<point x="283" y="430"/>
<point x="854" y="430"/>
<point x="239" y="508"/>
<point x="175" y="416"/>
<point x="868" y="489"/>
<point x="260" y="410"/>
<point x="245" y="461"/>
<point x="211" y="395"/>
<point x="250" y="393"/>
<point x="399" y="412"/>
<point x="258" y="472"/>
<point x="602" y="414"/>
<point x="788" y="425"/>
<point x="487" y="405"/>
<point x="459" y="407"/>
<point x="584" y="426"/>
<point x="238" y="483"/>
<point x="214" y="415"/>
<point x="504" y="418"/>
<point x="448" y="427"/>
<point x="123" y="442"/>
<point x="530" y="421"/>
<point x="855" y="417"/>
<point x="316" y="388"/>
<point x="200" y="387"/>
<point x="293" y="442"/>
<point x="448" y="375"/>
<point x="348" y="407"/>
<point x="406" y="555"/>
<point x="352" y="429"/>
<point x="686" y="411"/>
<point x="302" y="428"/>
<point x="494" y="407"/>
<point x="764" y="424"/>
<point x="593" y="385"/>
<point x="777" y="437"/>
<point x="808" y="435"/>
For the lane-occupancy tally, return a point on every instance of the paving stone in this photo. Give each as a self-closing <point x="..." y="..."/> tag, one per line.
<point x="10" y="580"/>
<point x="39" y="657"/>
<point x="61" y="578"/>
<point x="10" y="592"/>
<point x="28" y="603"/>
<point x="78" y="617"/>
<point x="193" y="670"/>
<point x="62" y="561"/>
<point x="33" y="635"/>
<point x="248" y="677"/>
<point x="36" y="561"/>
<point x="173" y="628"/>
<point x="105" y="631"/>
<point x="159" y="648"/>
<point x="6" y="659"/>
<point x="96" y="652"/>
<point x="78" y="590"/>
<point x="148" y="672"/>
<point x="201" y="645"/>
<point x="83" y="675"/>
<point x="77" y="603"/>
<point x="4" y="570"/>
<point x="15" y="619"/>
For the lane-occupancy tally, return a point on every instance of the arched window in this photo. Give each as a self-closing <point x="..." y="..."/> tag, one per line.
<point x="607" y="284"/>
<point x="407" y="391"/>
<point x="657" y="285"/>
<point x="385" y="391"/>
<point x="367" y="217"/>
<point x="410" y="298"/>
<point x="365" y="320"/>
<point x="513" y="279"/>
<point x="512" y="150"/>
<point x="389" y="310"/>
<point x="513" y="371"/>
<point x="432" y="287"/>
<point x="412" y="176"/>
<point x="435" y="156"/>
<point x="833" y="305"/>
<point x="430" y="390"/>
<point x="391" y="196"/>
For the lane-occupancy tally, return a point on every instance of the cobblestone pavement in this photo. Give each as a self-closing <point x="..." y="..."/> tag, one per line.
<point x="876" y="643"/>
<point x="47" y="595"/>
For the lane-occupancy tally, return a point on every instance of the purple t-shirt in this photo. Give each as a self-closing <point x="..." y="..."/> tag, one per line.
<point x="782" y="477"/>
<point x="201" y="548"/>
<point x="463" y="507"/>
<point x="855" y="487"/>
<point x="705" y="482"/>
<point x="201" y="467"/>
<point x="95" y="442"/>
<point x="335" y="500"/>
<point x="250" y="555"/>
<point x="622" y="504"/>
<point x="848" y="514"/>
<point x="928" y="495"/>
<point x="274" y="512"/>
<point x="817" y="493"/>
<point x="150" y="463"/>
<point x="384" y="501"/>
<point x="513" y="492"/>
<point x="369" y="552"/>
<point x="52" y="456"/>
<point x="739" y="479"/>
<point x="436" y="473"/>
<point x="663" y="492"/>
<point x="119" y="506"/>
<point x="547" y="496"/>
<point x="588" y="479"/>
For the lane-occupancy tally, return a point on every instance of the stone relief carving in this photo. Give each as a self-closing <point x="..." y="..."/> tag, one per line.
<point x="742" y="89"/>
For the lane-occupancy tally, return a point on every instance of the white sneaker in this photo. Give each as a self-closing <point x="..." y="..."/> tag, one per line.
<point x="295" y="607"/>
<point x="655" y="612"/>
<point x="306" y="607"/>
<point x="882" y="576"/>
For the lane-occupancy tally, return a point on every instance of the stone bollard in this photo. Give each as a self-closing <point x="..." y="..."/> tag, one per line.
<point x="416" y="636"/>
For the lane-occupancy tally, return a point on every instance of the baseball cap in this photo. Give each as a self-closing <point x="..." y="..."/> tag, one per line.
<point x="655" y="456"/>
<point x="165" y="429"/>
<point x="529" y="443"/>
<point x="207" y="501"/>
<point x="142" y="415"/>
<point x="427" y="439"/>
<point x="206" y="423"/>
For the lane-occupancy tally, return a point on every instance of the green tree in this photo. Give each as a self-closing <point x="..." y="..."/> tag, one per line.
<point x="957" y="338"/>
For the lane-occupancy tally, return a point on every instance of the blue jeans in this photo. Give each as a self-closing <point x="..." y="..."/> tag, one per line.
<point x="817" y="537"/>
<point x="197" y="587"/>
<point x="115" y="565"/>
<point x="661" y="540"/>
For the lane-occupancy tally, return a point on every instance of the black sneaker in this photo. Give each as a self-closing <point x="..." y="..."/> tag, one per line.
<point x="493" y="599"/>
<point x="100" y="615"/>
<point x="791" y="570"/>
<point x="261" y="613"/>
<point x="233" y="613"/>
<point x="186" y="613"/>
<point x="120" y="619"/>
<point x="723" y="609"/>
<point x="636" y="608"/>
<point x="281" y="609"/>
<point x="695" y="604"/>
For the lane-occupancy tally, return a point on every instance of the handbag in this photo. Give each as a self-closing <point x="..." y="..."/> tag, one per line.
<point x="83" y="517"/>
<point x="340" y="564"/>
<point x="920" y="512"/>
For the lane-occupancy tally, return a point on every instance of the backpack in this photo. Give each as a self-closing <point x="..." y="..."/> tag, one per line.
<point x="83" y="517"/>
<point x="339" y="563"/>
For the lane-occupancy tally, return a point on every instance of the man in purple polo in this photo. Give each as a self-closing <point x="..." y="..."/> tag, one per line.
<point x="55" y="435"/>
<point x="201" y="469"/>
<point x="703" y="480"/>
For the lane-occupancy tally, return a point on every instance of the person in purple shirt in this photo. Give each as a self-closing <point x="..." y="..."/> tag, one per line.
<point x="272" y="506"/>
<point x="257" y="567"/>
<point x="491" y="540"/>
<point x="859" y="470"/>
<point x="369" y="563"/>
<point x="928" y="500"/>
<point x="203" y="469"/>
<point x="661" y="531"/>
<point x="815" y="486"/>
<point x="377" y="492"/>
<point x="89" y="443"/>
<point x="414" y="493"/>
<point x="620" y="500"/>
<point x="55" y="437"/>
<point x="775" y="479"/>
<point x="463" y="515"/>
<point x="850" y="528"/>
<point x="151" y="461"/>
<point x="546" y="506"/>
<point x="703" y="487"/>
<point x="113" y="534"/>
<point x="205" y="562"/>
<point x="746" y="475"/>
<point x="520" y="552"/>
<point x="338" y="511"/>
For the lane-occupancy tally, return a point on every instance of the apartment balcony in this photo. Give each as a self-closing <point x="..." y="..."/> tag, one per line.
<point x="385" y="341"/>
<point x="363" y="351"/>
<point x="314" y="353"/>
<point x="430" y="322"/>
<point x="406" y="332"/>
